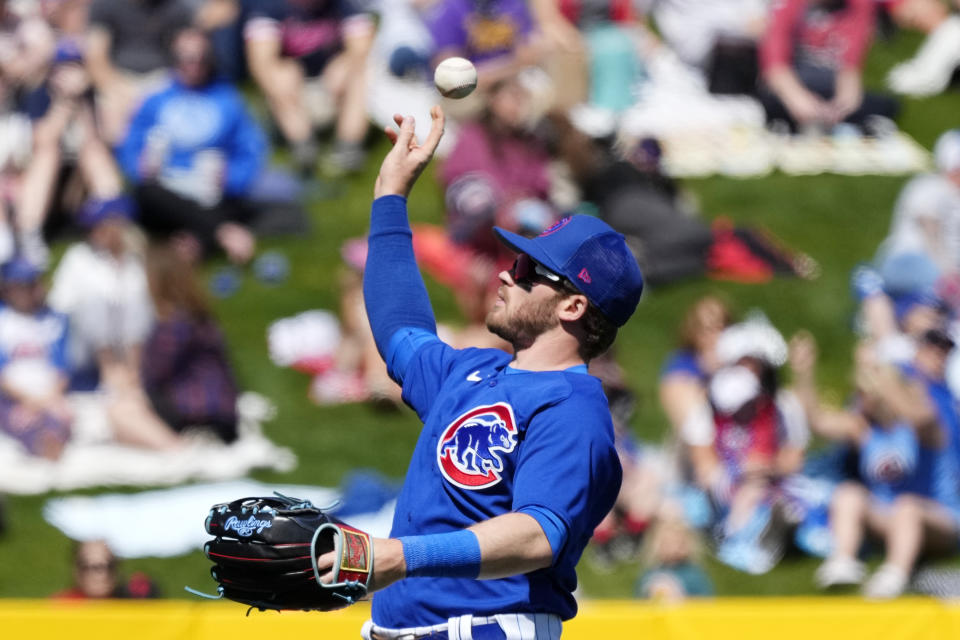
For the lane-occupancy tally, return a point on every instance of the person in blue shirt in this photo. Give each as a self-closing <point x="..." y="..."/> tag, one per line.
<point x="33" y="363"/>
<point x="929" y="368"/>
<point x="907" y="492"/>
<point x="193" y="151"/>
<point x="515" y="464"/>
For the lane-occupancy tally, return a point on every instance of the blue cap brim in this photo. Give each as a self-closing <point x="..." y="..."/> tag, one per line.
<point x="19" y="271"/>
<point x="522" y="244"/>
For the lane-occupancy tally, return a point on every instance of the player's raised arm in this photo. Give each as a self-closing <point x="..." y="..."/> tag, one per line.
<point x="398" y="307"/>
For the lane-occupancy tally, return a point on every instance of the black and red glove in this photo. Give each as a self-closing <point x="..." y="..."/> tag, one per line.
<point x="265" y="553"/>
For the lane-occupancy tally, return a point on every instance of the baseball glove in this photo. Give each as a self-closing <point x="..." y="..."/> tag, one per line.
<point x="265" y="553"/>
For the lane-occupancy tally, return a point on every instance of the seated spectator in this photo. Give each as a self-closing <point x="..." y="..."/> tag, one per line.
<point x="685" y="374"/>
<point x="907" y="493"/>
<point x="193" y="152"/>
<point x="186" y="371"/>
<point x="95" y="576"/>
<point x="498" y="36"/>
<point x="749" y="437"/>
<point x="33" y="364"/>
<point x="69" y="158"/>
<point x="128" y="53"/>
<point x="931" y="68"/>
<point x="911" y="287"/>
<point x="811" y="60"/>
<point x="929" y="369"/>
<point x="309" y="58"/>
<point x="101" y="285"/>
<point x="671" y="562"/>
<point x="926" y="216"/>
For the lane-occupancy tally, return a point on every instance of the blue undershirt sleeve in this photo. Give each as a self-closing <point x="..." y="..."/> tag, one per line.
<point x="398" y="307"/>
<point x="553" y="527"/>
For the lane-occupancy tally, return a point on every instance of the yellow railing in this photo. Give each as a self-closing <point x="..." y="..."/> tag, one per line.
<point x="722" y="619"/>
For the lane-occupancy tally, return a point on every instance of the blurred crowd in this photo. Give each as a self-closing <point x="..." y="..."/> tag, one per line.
<point x="141" y="135"/>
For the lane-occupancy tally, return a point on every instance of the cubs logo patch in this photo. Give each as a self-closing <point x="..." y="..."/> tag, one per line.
<point x="469" y="449"/>
<point x="889" y="467"/>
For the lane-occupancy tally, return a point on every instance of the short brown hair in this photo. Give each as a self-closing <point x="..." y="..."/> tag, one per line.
<point x="599" y="332"/>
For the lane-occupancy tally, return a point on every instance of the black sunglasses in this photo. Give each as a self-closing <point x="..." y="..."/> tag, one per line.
<point x="526" y="272"/>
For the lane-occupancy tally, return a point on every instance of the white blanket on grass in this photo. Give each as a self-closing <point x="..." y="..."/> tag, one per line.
<point x="169" y="522"/>
<point x="92" y="460"/>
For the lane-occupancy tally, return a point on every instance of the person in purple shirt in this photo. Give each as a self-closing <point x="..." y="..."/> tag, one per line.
<point x="186" y="372"/>
<point x="496" y="35"/>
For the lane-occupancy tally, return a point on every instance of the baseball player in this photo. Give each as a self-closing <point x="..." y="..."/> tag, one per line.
<point x="515" y="465"/>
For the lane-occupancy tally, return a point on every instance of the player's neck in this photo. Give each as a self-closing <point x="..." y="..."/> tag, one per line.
<point x="553" y="350"/>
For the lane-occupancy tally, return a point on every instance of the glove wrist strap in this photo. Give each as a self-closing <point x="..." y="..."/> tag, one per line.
<point x="353" y="563"/>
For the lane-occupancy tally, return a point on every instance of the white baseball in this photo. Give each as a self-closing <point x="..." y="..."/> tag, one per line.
<point x="455" y="78"/>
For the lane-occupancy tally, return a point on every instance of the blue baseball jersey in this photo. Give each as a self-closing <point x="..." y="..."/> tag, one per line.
<point x="497" y="440"/>
<point x="40" y="337"/>
<point x="893" y="462"/>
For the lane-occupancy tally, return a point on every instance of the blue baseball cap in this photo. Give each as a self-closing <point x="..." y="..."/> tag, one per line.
<point x="592" y="256"/>
<point x="96" y="210"/>
<point x="19" y="270"/>
<point x="68" y="52"/>
<point x="904" y="303"/>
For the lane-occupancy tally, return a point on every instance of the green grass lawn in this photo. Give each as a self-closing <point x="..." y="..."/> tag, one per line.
<point x="838" y="220"/>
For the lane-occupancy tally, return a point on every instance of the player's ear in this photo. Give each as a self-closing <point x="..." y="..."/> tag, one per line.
<point x="571" y="308"/>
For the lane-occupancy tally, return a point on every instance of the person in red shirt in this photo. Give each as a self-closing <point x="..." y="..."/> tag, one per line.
<point x="811" y="61"/>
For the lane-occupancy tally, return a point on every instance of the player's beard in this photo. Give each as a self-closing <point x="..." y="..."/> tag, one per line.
<point x="521" y="327"/>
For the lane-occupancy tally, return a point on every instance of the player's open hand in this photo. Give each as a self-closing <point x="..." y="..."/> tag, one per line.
<point x="403" y="165"/>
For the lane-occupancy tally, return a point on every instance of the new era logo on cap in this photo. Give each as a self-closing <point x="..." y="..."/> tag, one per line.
<point x="584" y="275"/>
<point x="560" y="224"/>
